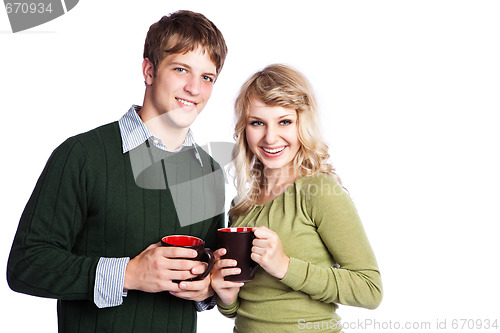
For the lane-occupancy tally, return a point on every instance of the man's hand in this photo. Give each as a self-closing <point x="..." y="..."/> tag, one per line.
<point x="195" y="290"/>
<point x="154" y="269"/>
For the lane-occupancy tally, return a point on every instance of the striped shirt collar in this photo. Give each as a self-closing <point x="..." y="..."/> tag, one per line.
<point x="134" y="133"/>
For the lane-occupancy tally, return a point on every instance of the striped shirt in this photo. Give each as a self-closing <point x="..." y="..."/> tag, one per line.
<point x="134" y="133"/>
<point x="110" y="273"/>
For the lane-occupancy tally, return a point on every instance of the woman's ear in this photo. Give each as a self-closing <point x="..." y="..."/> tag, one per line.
<point x="148" y="71"/>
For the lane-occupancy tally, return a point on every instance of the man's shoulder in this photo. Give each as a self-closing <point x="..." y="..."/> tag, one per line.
<point x="103" y="131"/>
<point x="104" y="134"/>
<point x="94" y="139"/>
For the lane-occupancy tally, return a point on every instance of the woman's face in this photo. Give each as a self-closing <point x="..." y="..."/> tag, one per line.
<point x="272" y="134"/>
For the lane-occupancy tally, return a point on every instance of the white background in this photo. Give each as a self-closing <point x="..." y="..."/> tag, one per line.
<point x="408" y="91"/>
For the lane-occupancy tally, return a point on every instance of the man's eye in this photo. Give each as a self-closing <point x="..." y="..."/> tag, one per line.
<point x="180" y="70"/>
<point x="207" y="78"/>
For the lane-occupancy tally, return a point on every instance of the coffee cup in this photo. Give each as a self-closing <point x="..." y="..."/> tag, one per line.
<point x="195" y="243"/>
<point x="238" y="244"/>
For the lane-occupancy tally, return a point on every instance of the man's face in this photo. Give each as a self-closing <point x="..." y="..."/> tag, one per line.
<point x="182" y="86"/>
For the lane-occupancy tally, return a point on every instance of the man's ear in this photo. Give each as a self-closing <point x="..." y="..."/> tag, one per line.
<point x="148" y="71"/>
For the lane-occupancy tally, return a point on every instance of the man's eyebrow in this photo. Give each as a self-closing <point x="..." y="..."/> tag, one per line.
<point x="178" y="63"/>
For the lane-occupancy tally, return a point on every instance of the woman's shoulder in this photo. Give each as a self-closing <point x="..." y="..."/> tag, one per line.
<point x="322" y="193"/>
<point x="319" y="182"/>
<point x="321" y="189"/>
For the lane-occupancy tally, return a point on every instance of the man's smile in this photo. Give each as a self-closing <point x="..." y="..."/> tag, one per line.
<point x="185" y="102"/>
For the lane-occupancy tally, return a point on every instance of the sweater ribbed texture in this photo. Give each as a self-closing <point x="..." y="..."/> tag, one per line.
<point x="87" y="205"/>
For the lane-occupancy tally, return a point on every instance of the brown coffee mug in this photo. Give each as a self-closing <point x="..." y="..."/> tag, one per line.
<point x="238" y="244"/>
<point x="196" y="244"/>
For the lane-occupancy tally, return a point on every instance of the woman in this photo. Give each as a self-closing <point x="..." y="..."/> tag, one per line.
<point x="310" y="244"/>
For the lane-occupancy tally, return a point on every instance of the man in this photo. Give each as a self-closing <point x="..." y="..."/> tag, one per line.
<point x="110" y="194"/>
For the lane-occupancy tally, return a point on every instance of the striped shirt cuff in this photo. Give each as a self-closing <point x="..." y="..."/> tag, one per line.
<point x="110" y="275"/>
<point x="207" y="304"/>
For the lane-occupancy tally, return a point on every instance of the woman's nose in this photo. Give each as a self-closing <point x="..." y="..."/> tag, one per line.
<point x="271" y="135"/>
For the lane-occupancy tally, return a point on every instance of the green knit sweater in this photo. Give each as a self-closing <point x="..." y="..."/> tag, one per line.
<point x="331" y="262"/>
<point x="87" y="205"/>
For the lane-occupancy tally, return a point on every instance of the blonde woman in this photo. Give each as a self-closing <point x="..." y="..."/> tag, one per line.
<point x="310" y="244"/>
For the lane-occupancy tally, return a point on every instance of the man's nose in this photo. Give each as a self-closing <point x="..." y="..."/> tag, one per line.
<point x="193" y="85"/>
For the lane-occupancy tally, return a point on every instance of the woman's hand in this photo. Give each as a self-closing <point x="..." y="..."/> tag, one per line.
<point x="267" y="251"/>
<point x="227" y="291"/>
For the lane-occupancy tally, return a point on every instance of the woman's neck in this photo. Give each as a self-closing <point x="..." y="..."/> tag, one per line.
<point x="276" y="182"/>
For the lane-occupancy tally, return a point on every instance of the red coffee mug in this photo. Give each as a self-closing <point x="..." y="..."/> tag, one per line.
<point x="194" y="243"/>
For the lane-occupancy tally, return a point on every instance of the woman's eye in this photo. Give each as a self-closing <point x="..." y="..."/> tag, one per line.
<point x="256" y="123"/>
<point x="285" y="122"/>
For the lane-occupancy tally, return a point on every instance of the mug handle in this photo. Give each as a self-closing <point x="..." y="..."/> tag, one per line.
<point x="211" y="261"/>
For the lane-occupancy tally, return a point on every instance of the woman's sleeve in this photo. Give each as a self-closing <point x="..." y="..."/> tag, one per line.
<point x="355" y="280"/>
<point x="228" y="310"/>
<point x="41" y="262"/>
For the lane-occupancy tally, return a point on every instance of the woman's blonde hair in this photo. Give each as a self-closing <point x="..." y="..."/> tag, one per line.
<point x="276" y="85"/>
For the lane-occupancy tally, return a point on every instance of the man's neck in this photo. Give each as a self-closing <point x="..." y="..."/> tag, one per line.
<point x="172" y="137"/>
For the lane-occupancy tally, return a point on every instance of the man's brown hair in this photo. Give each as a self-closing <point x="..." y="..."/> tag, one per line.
<point x="181" y="32"/>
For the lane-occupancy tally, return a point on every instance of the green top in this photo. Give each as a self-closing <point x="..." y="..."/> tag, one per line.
<point x="331" y="262"/>
<point x="87" y="205"/>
